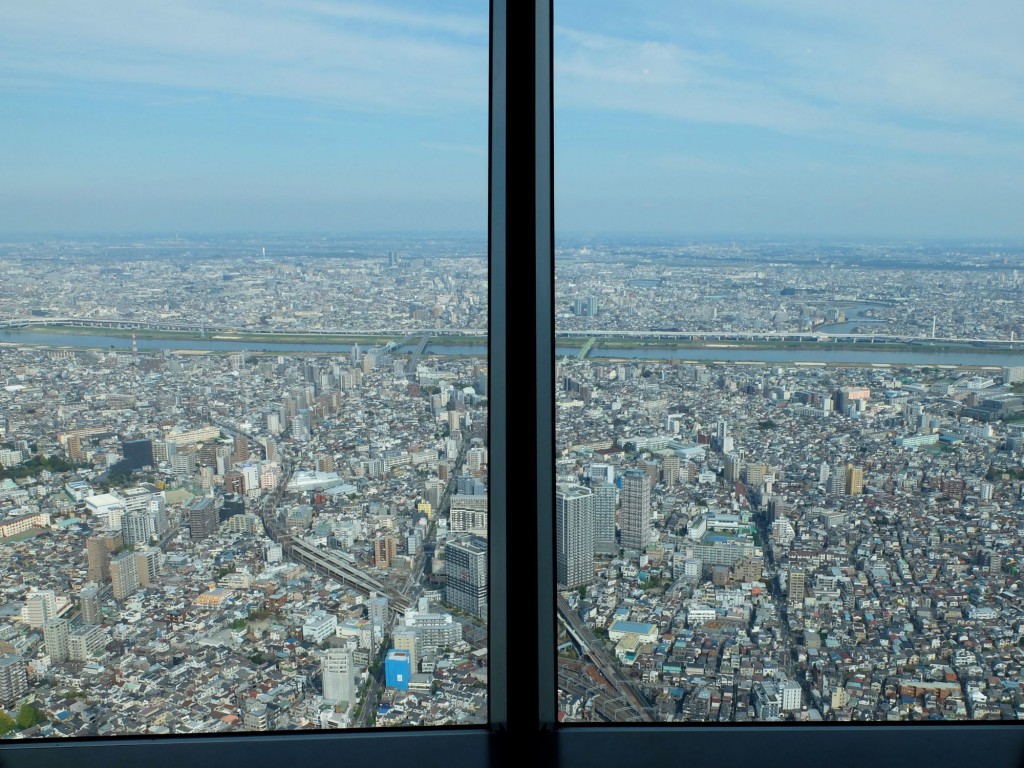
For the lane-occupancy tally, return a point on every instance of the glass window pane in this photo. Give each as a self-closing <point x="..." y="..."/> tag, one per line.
<point x="243" y="343"/>
<point x="787" y="306"/>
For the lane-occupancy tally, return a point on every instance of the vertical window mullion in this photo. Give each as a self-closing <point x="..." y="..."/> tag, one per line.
<point x="522" y="355"/>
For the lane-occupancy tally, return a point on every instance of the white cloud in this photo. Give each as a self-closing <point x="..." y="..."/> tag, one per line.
<point x="929" y="77"/>
<point x="351" y="55"/>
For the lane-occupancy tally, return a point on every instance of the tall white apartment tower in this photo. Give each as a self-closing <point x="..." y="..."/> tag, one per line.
<point x="574" y="535"/>
<point x="636" y="510"/>
<point x="605" y="495"/>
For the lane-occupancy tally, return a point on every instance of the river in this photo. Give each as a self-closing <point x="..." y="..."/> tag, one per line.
<point x="873" y="355"/>
<point x="855" y="317"/>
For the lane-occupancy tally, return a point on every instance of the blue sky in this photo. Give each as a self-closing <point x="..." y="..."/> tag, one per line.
<point x="689" y="118"/>
<point x="872" y="118"/>
<point x="297" y="115"/>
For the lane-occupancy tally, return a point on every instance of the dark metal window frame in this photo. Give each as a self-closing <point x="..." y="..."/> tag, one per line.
<point x="522" y="585"/>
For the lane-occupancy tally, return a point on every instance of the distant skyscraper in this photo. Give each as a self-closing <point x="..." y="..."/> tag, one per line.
<point x="13" y="680"/>
<point x="137" y="527"/>
<point x="836" y="484"/>
<point x="89" y="604"/>
<point x="854" y="480"/>
<point x="636" y="510"/>
<point x="98" y="549"/>
<point x="795" y="589"/>
<point x="670" y="470"/>
<point x="604" y="518"/>
<point x="124" y="575"/>
<point x="384" y="551"/>
<point x="240" y="453"/>
<point x="466" y="574"/>
<point x="202" y="519"/>
<point x="336" y="669"/>
<point x="301" y="425"/>
<point x="377" y="611"/>
<point x="723" y="438"/>
<point x="56" y="637"/>
<point x="574" y="535"/>
<point x="147" y="563"/>
<point x="733" y="467"/>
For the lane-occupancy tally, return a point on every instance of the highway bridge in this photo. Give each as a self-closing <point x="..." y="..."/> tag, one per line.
<point x="585" y="349"/>
<point x="781" y="337"/>
<point x="128" y="325"/>
<point x="199" y="327"/>
<point x="415" y="359"/>
<point x="592" y="336"/>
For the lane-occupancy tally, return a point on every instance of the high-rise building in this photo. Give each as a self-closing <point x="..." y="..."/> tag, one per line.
<point x="754" y="474"/>
<point x="670" y="470"/>
<point x="56" y="638"/>
<point x="574" y="535"/>
<point x="733" y="467"/>
<point x="605" y="495"/>
<point x="433" y="630"/>
<point x="98" y="549"/>
<point x="466" y="574"/>
<point x="84" y="641"/>
<point x="796" y="588"/>
<point x="397" y="668"/>
<point x="40" y="606"/>
<point x="89" y="604"/>
<point x="854" y="480"/>
<point x="791" y="695"/>
<point x="385" y="548"/>
<point x="202" y="519"/>
<point x="636" y="510"/>
<point x="137" y="527"/>
<point x="13" y="680"/>
<point x="184" y="462"/>
<point x="377" y="613"/>
<point x="240" y="453"/>
<point x="723" y="439"/>
<point x="124" y="575"/>
<point x="147" y="563"/>
<point x="301" y="425"/>
<point x="76" y="453"/>
<point x="836" y="483"/>
<point x="162" y="451"/>
<point x="336" y="670"/>
<point x="404" y="639"/>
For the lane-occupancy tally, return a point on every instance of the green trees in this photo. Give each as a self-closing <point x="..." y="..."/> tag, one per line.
<point x="34" y="466"/>
<point x="27" y="716"/>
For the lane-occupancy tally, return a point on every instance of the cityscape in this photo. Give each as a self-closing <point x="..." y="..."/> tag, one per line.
<point x="205" y="541"/>
<point x="244" y="483"/>
<point x="277" y="473"/>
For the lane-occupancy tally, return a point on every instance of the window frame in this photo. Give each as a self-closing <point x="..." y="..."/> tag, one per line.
<point x="520" y="168"/>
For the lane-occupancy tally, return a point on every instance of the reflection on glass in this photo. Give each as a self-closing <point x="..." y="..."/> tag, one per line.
<point x="788" y="285"/>
<point x="243" y="457"/>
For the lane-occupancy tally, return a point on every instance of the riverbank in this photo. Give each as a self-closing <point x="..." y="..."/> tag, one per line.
<point x="254" y="337"/>
<point x="824" y="346"/>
